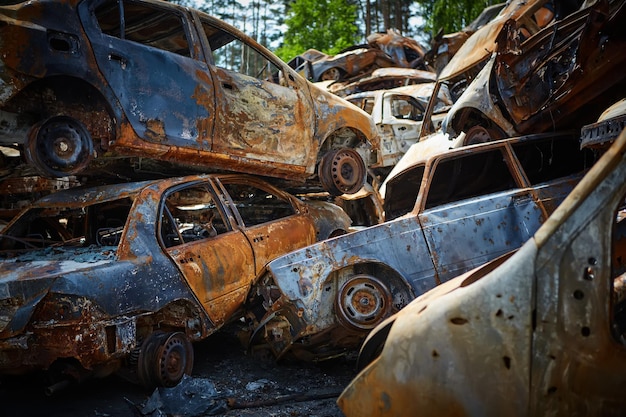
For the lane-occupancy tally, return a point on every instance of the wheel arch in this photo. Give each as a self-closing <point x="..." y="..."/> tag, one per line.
<point x="73" y="97"/>
<point x="470" y="117"/>
<point x="399" y="288"/>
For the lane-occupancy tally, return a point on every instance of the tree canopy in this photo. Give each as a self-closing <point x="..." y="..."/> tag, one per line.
<point x="325" y="25"/>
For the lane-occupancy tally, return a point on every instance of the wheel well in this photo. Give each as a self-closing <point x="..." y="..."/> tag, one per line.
<point x="345" y="137"/>
<point x="180" y="315"/>
<point x="470" y="117"/>
<point x="68" y="96"/>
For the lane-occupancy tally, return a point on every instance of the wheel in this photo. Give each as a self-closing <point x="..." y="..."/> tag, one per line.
<point x="362" y="302"/>
<point x="342" y="171"/>
<point x="333" y="74"/>
<point x="478" y="134"/>
<point x="164" y="359"/>
<point x="59" y="146"/>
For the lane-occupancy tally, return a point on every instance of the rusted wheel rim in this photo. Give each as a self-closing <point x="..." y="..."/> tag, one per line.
<point x="59" y="146"/>
<point x="175" y="359"/>
<point x="332" y="74"/>
<point x="164" y="359"/>
<point x="342" y="171"/>
<point x="477" y="134"/>
<point x="362" y="302"/>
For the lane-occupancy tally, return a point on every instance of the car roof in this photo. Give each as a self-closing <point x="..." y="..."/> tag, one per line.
<point x="412" y="159"/>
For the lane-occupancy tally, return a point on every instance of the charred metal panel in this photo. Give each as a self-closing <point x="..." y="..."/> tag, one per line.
<point x="483" y="228"/>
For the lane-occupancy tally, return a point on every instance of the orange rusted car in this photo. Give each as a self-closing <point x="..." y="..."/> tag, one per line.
<point x="122" y="278"/>
<point x="88" y="84"/>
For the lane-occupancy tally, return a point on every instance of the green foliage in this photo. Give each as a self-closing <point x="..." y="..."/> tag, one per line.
<point x="450" y="15"/>
<point x="325" y="25"/>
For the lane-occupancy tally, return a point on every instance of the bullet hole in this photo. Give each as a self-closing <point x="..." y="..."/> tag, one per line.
<point x="458" y="320"/>
<point x="507" y="362"/>
<point x="498" y="295"/>
<point x="585" y="331"/>
<point x="435" y="354"/>
<point x="579" y="295"/>
<point x="592" y="261"/>
<point x="551" y="390"/>
<point x="511" y="317"/>
<point x="499" y="313"/>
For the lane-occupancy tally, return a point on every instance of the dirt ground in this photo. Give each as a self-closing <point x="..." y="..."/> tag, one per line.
<point x="225" y="382"/>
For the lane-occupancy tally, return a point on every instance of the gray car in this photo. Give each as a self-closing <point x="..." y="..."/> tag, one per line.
<point x="445" y="215"/>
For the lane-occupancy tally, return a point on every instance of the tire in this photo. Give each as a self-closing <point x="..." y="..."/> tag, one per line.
<point x="342" y="171"/>
<point x="59" y="146"/>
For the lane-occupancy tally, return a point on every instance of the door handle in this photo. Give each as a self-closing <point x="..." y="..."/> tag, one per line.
<point x="118" y="58"/>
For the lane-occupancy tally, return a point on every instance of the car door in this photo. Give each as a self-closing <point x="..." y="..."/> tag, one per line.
<point x="265" y="112"/>
<point x="475" y="211"/>
<point x="152" y="61"/>
<point x="401" y="123"/>
<point x="216" y="259"/>
<point x="271" y="222"/>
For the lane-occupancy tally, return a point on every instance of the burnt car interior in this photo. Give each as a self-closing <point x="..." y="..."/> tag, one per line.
<point x="99" y="224"/>
<point x="407" y="107"/>
<point x="234" y="55"/>
<point x="190" y="214"/>
<point x="146" y="25"/>
<point x="486" y="172"/>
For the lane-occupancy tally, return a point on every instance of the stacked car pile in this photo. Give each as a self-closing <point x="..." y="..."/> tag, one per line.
<point x="101" y="92"/>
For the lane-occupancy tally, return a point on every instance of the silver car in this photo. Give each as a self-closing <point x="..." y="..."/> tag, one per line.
<point x="445" y="215"/>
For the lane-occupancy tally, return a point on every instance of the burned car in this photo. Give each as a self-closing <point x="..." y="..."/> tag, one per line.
<point x="382" y="79"/>
<point x="353" y="62"/>
<point x="555" y="79"/>
<point x="389" y="49"/>
<point x="87" y="84"/>
<point x="472" y="56"/>
<point x="398" y="114"/>
<point x="444" y="215"/>
<point x="542" y="334"/>
<point x="124" y="277"/>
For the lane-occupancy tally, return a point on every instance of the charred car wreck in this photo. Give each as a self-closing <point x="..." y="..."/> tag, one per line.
<point x="445" y="215"/>
<point x="555" y="79"/>
<point x="122" y="278"/>
<point x="543" y="333"/>
<point x="87" y="84"/>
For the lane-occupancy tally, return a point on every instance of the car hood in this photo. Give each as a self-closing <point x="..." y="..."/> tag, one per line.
<point x="26" y="279"/>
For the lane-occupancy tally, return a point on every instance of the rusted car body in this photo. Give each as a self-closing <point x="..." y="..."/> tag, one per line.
<point x="354" y="62"/>
<point x="542" y="334"/>
<point x="122" y="278"/>
<point x="444" y="215"/>
<point x="555" y="79"/>
<point x="398" y="114"/>
<point x="478" y="48"/>
<point x="382" y="50"/>
<point x="90" y="82"/>
<point x="382" y="79"/>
